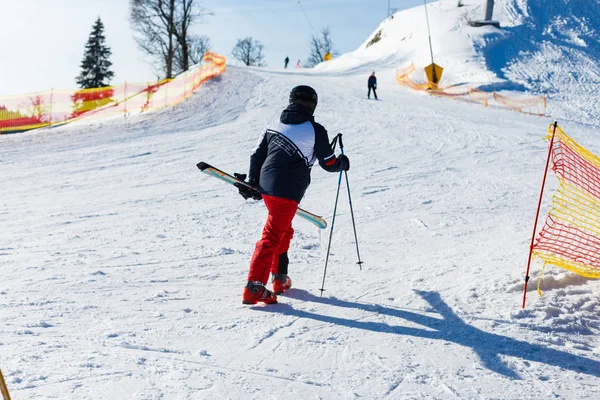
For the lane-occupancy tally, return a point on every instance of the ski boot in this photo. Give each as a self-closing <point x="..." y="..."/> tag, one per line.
<point x="255" y="292"/>
<point x="281" y="283"/>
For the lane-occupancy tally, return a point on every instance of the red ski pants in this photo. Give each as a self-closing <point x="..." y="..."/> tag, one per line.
<point x="276" y="237"/>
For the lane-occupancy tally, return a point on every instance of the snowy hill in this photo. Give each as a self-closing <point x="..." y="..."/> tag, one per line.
<point x="544" y="47"/>
<point x="123" y="266"/>
<point x="403" y="38"/>
<point x="550" y="47"/>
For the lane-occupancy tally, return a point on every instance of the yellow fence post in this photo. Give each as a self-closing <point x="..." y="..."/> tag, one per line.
<point x="51" y="99"/>
<point x="166" y="91"/>
<point x="3" y="387"/>
<point x="185" y="76"/>
<point x="125" y="94"/>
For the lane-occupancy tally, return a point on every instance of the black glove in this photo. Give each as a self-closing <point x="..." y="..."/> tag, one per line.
<point x="345" y="162"/>
<point x="245" y="191"/>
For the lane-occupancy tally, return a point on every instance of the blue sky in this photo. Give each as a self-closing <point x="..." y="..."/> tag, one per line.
<point x="46" y="38"/>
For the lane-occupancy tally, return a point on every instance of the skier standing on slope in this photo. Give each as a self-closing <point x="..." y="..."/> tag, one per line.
<point x="280" y="168"/>
<point x="372" y="83"/>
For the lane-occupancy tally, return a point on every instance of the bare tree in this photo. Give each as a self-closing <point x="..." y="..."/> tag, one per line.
<point x="249" y="51"/>
<point x="163" y="28"/>
<point x="186" y="14"/>
<point x="197" y="46"/>
<point x="319" y="46"/>
<point x="153" y="20"/>
<point x="316" y="52"/>
<point x="327" y="42"/>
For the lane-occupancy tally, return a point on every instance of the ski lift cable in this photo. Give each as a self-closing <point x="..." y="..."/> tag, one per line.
<point x="307" y="19"/>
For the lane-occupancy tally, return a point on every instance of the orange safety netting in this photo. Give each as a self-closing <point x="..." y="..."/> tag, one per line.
<point x="403" y="77"/>
<point x="570" y="237"/>
<point x="53" y="107"/>
<point x="463" y="92"/>
<point x="530" y="105"/>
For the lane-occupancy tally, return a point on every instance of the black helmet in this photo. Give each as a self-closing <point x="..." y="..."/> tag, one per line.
<point x="305" y="96"/>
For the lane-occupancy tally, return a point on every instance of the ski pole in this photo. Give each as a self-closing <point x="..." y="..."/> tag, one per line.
<point x="337" y="196"/>
<point x="351" y="210"/>
<point x="334" y="141"/>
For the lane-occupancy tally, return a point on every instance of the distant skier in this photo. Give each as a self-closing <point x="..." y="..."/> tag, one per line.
<point x="372" y="86"/>
<point x="298" y="64"/>
<point x="280" y="168"/>
<point x="286" y="61"/>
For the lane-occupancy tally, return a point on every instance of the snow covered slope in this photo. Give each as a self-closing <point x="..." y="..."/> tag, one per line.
<point x="122" y="266"/>
<point x="546" y="47"/>
<point x="550" y="47"/>
<point x="403" y="38"/>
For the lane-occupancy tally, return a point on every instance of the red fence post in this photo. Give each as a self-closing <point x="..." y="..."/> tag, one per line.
<point x="538" y="214"/>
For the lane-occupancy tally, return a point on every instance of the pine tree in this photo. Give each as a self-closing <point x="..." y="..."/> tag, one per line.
<point x="95" y="66"/>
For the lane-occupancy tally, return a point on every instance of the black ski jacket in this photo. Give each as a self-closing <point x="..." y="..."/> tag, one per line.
<point x="286" y="150"/>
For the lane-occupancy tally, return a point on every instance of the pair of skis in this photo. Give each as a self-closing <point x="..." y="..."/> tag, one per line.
<point x="224" y="176"/>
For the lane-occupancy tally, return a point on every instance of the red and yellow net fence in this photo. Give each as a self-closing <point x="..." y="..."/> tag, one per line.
<point x="54" y="107"/>
<point x="530" y="105"/>
<point x="570" y="237"/>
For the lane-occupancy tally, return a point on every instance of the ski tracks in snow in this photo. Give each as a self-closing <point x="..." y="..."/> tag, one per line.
<point x="123" y="266"/>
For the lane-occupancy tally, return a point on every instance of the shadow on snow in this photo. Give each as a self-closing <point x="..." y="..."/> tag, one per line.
<point x="566" y="25"/>
<point x="488" y="346"/>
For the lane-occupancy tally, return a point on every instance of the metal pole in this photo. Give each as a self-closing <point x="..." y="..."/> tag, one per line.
<point x="389" y="8"/>
<point x="538" y="214"/>
<point x="337" y="196"/>
<point x="489" y="10"/>
<point x="430" y="46"/>
<point x="351" y="209"/>
<point x="429" y="33"/>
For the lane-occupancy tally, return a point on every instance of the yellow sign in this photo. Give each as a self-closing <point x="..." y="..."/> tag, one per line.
<point x="327" y="56"/>
<point x="434" y="73"/>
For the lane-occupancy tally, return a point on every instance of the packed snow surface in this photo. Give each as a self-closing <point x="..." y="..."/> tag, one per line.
<point x="122" y="265"/>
